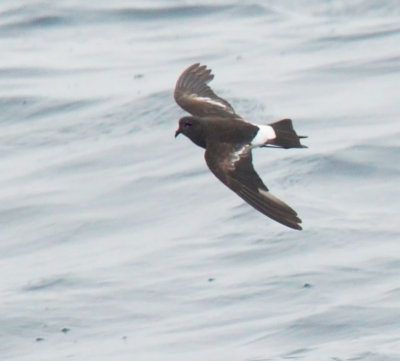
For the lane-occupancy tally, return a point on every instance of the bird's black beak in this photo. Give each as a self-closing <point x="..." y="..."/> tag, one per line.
<point x="178" y="131"/>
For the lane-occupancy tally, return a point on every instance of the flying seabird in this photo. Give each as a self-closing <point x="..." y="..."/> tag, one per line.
<point x="228" y="140"/>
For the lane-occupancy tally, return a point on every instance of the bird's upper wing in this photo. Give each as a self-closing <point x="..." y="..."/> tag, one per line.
<point x="194" y="95"/>
<point x="233" y="167"/>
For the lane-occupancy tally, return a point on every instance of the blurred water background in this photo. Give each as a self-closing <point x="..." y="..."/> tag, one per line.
<point x="117" y="243"/>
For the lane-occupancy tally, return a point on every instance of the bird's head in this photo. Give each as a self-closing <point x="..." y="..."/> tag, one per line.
<point x="193" y="129"/>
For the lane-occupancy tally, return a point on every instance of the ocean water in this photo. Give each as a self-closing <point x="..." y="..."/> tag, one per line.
<point x="117" y="243"/>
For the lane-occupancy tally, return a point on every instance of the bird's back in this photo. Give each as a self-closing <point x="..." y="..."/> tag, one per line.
<point x="229" y="130"/>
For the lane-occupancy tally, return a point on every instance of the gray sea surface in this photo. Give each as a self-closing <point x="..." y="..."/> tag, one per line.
<point x="117" y="243"/>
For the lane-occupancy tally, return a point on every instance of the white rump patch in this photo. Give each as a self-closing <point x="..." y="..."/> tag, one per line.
<point x="264" y="134"/>
<point x="208" y="100"/>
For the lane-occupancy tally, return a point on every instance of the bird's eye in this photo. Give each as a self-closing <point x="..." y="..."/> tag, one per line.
<point x="187" y="125"/>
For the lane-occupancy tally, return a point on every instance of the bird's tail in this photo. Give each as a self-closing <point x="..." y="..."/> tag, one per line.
<point x="286" y="136"/>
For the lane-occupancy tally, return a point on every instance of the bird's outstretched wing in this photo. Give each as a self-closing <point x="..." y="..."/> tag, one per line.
<point x="233" y="167"/>
<point x="194" y="95"/>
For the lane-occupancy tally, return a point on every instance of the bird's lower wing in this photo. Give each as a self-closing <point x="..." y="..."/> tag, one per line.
<point x="271" y="206"/>
<point x="233" y="167"/>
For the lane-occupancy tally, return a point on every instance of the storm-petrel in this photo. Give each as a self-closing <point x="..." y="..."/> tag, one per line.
<point x="228" y="140"/>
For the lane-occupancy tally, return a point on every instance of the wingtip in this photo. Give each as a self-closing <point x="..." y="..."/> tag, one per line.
<point x="296" y="227"/>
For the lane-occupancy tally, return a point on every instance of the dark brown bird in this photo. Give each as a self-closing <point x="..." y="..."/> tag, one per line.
<point x="228" y="140"/>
